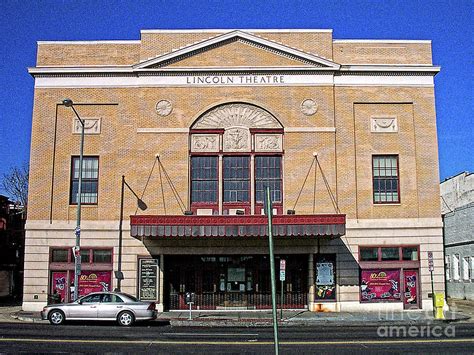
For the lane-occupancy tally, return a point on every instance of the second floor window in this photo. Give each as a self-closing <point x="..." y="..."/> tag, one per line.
<point x="204" y="179"/>
<point x="385" y="179"/>
<point x="90" y="180"/>
<point x="236" y="179"/>
<point x="268" y="173"/>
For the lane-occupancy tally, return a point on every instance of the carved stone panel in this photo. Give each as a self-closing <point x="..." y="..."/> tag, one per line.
<point x="91" y="126"/>
<point x="384" y="124"/>
<point x="237" y="114"/>
<point x="205" y="143"/>
<point x="164" y="108"/>
<point x="237" y="139"/>
<point x="268" y="143"/>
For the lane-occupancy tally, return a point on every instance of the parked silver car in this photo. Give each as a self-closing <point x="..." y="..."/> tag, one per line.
<point x="117" y="306"/>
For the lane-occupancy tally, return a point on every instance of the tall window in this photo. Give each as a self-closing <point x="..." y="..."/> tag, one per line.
<point x="268" y="173"/>
<point x="90" y="180"/>
<point x="466" y="268"/>
<point x="385" y="179"/>
<point x="204" y="183"/>
<point x="447" y="266"/>
<point x="236" y="179"/>
<point x="456" y="267"/>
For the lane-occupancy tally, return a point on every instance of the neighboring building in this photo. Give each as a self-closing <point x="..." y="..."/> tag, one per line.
<point x="12" y="241"/>
<point x="457" y="208"/>
<point x="228" y="113"/>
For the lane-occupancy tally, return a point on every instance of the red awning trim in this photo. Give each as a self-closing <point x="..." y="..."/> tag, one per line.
<point x="238" y="226"/>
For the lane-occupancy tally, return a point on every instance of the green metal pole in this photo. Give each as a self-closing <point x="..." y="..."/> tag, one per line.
<point x="272" y="266"/>
<point x="433" y="294"/>
<point x="281" y="302"/>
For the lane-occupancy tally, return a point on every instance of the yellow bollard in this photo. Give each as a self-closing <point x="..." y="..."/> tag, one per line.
<point x="439" y="304"/>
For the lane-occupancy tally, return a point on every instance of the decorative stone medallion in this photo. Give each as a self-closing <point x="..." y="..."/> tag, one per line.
<point x="268" y="143"/>
<point x="383" y="124"/>
<point x="91" y="126"/>
<point x="164" y="108"/>
<point x="237" y="139"/>
<point x="205" y="143"/>
<point x="309" y="107"/>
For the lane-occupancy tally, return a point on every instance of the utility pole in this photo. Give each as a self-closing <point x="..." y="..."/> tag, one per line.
<point x="268" y="210"/>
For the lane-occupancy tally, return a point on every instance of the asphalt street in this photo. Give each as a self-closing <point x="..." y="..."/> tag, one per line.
<point x="160" y="337"/>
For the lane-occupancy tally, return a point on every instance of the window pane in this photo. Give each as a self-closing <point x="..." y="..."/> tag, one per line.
<point x="102" y="256"/>
<point x="236" y="179"/>
<point x="85" y="256"/>
<point x="90" y="175"/>
<point x="390" y="254"/>
<point x="204" y="182"/>
<point x="369" y="254"/>
<point x="385" y="179"/>
<point x="59" y="255"/>
<point x="410" y="253"/>
<point x="268" y="173"/>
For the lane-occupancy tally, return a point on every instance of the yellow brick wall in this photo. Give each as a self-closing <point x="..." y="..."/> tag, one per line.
<point x="382" y="53"/>
<point x="59" y="54"/>
<point x="124" y="151"/>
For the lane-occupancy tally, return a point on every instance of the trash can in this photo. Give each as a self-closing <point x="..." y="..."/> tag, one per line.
<point x="439" y="304"/>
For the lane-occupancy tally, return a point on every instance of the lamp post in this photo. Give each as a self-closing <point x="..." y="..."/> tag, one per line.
<point x="77" y="248"/>
<point x="141" y="205"/>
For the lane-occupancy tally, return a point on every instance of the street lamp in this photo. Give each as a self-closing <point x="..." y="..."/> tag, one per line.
<point x="141" y="205"/>
<point x="77" y="248"/>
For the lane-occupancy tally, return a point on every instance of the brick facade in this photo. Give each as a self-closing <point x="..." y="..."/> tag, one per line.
<point x="105" y="82"/>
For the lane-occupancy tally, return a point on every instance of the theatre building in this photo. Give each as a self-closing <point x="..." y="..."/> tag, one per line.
<point x="200" y="123"/>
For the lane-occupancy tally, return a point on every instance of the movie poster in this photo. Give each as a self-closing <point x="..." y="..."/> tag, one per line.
<point x="59" y="284"/>
<point x="325" y="277"/>
<point x="380" y="285"/>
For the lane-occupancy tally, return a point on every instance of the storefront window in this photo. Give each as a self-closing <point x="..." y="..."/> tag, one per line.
<point x="390" y="254"/>
<point x="102" y="256"/>
<point x="369" y="254"/>
<point x="85" y="255"/>
<point x="410" y="253"/>
<point x="380" y="285"/>
<point x="59" y="255"/>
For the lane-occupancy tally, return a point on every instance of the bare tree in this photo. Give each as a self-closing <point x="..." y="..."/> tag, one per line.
<point x="15" y="183"/>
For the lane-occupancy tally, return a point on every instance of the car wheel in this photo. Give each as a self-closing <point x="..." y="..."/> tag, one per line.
<point x="56" y="317"/>
<point x="125" y="318"/>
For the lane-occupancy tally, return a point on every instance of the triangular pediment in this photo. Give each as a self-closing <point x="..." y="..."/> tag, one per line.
<point x="237" y="50"/>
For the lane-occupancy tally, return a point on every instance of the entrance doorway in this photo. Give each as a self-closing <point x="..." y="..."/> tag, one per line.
<point x="411" y="286"/>
<point x="233" y="281"/>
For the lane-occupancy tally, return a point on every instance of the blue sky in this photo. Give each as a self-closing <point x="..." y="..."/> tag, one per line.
<point x="449" y="24"/>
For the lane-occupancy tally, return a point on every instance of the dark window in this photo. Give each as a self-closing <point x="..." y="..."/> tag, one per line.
<point x="236" y="179"/>
<point x="410" y="253"/>
<point x="385" y="179"/>
<point x="85" y="255"/>
<point x="92" y="298"/>
<point x="204" y="182"/>
<point x="390" y="254"/>
<point x="268" y="173"/>
<point x="59" y="255"/>
<point x="369" y="254"/>
<point x="90" y="180"/>
<point x="102" y="256"/>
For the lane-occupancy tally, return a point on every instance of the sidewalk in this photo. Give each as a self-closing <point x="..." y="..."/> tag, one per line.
<point x="264" y="318"/>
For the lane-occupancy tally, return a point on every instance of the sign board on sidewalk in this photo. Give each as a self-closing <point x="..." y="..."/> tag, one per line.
<point x="282" y="275"/>
<point x="282" y="264"/>
<point x="430" y="261"/>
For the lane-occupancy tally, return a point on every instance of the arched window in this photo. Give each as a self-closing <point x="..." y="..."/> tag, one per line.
<point x="236" y="151"/>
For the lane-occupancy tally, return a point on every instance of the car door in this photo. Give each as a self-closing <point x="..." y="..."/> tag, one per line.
<point x="85" y="308"/>
<point x="110" y="306"/>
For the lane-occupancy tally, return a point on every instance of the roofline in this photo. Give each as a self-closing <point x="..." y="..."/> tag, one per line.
<point x="382" y="41"/>
<point x="91" y="42"/>
<point x="245" y="35"/>
<point x="213" y="30"/>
